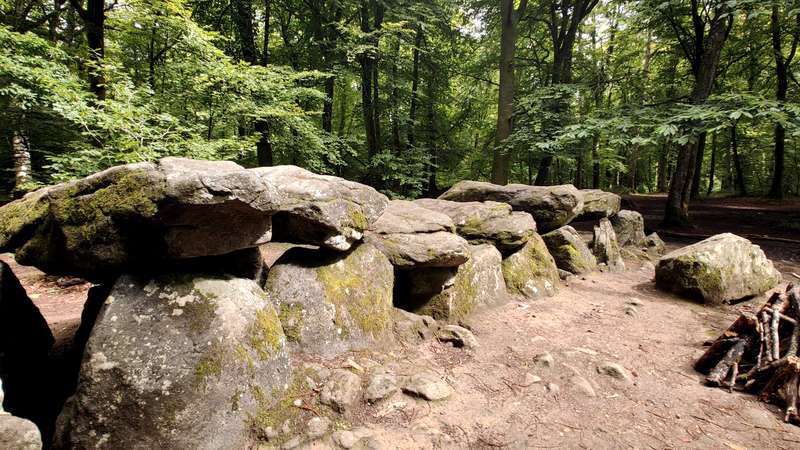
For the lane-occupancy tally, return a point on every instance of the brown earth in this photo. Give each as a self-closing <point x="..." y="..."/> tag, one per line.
<point x="493" y="404"/>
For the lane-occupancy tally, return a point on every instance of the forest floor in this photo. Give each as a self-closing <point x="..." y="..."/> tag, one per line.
<point x="497" y="402"/>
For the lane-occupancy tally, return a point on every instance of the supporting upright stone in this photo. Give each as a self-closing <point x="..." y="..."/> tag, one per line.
<point x="569" y="251"/>
<point x="532" y="271"/>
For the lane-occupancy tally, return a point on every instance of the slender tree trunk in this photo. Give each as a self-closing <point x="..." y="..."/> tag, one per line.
<point x="781" y="72"/>
<point x="663" y="162"/>
<point x="713" y="163"/>
<point x="243" y="18"/>
<point x="596" y="164"/>
<point x="676" y="214"/>
<point x="509" y="18"/>
<point x="22" y="158"/>
<point x="698" y="173"/>
<point x="94" y="18"/>
<point x="414" y="87"/>
<point x="737" y="162"/>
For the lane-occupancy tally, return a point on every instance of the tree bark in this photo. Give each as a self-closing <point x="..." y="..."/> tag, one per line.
<point x="22" y="158"/>
<point x="94" y="18"/>
<point x="509" y="19"/>
<point x="412" y="115"/>
<point x="781" y="73"/>
<point x="676" y="214"/>
<point x="737" y="162"/>
<point x="713" y="163"/>
<point x="698" y="164"/>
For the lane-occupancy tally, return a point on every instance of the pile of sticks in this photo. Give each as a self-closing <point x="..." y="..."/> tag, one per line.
<point x="758" y="353"/>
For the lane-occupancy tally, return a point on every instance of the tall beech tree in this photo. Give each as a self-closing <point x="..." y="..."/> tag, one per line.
<point x="509" y="19"/>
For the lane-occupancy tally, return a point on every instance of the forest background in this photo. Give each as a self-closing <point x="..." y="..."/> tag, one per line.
<point x="689" y="97"/>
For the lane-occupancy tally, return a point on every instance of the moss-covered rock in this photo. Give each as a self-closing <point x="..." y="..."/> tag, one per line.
<point x="605" y="248"/>
<point x="486" y="222"/>
<point x="629" y="227"/>
<point x="598" y="204"/>
<point x="477" y="285"/>
<point x="550" y="206"/>
<point x="174" y="362"/>
<point x="532" y="271"/>
<point x="721" y="268"/>
<point x="131" y="215"/>
<point x="569" y="251"/>
<point x="331" y="302"/>
<point x="414" y="251"/>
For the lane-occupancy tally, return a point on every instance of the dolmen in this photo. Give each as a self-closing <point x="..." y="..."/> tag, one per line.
<point x="189" y="340"/>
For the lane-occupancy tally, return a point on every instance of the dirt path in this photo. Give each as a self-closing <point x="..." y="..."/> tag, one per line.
<point x="495" y="402"/>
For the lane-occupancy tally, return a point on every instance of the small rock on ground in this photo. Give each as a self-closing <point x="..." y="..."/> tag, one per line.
<point x="544" y="360"/>
<point x="380" y="386"/>
<point x="631" y="310"/>
<point x="582" y="385"/>
<point x="318" y="427"/>
<point x="342" y="390"/>
<point x="531" y="379"/>
<point x="459" y="336"/>
<point x="428" y="386"/>
<point x="615" y="371"/>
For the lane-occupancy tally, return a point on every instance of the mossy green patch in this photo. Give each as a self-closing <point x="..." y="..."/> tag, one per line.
<point x="456" y="302"/>
<point x="291" y="317"/>
<point x="357" y="219"/>
<point x="210" y="365"/>
<point x="265" y="334"/>
<point x="200" y="311"/>
<point x="531" y="262"/>
<point x="368" y="301"/>
<point x="17" y="215"/>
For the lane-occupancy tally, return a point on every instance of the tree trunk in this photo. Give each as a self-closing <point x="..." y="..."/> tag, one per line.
<point x="243" y="19"/>
<point x="264" y="145"/>
<point x="509" y="18"/>
<point x="94" y="18"/>
<point x="663" y="162"/>
<point x="22" y="159"/>
<point x="596" y="163"/>
<point x="676" y="213"/>
<point x="737" y="162"/>
<point x="698" y="173"/>
<point x="713" y="163"/>
<point x="781" y="73"/>
<point x="376" y="104"/>
<point x="414" y="87"/>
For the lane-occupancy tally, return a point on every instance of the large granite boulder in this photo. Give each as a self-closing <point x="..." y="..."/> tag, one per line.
<point x="25" y="340"/>
<point x="605" y="248"/>
<point x="18" y="434"/>
<point x="331" y="302"/>
<point x="322" y="209"/>
<point x="629" y="227"/>
<point x="532" y="271"/>
<point x="476" y="285"/>
<point x="134" y="214"/>
<point x="550" y="206"/>
<point x="486" y="222"/>
<point x="569" y="250"/>
<point x="177" y="361"/>
<point x="721" y="268"/>
<point x="599" y="204"/>
<point x="413" y="237"/>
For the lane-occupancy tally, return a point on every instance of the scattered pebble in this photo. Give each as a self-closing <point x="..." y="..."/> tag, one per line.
<point x="631" y="310"/>
<point x="615" y="371"/>
<point x="544" y="360"/>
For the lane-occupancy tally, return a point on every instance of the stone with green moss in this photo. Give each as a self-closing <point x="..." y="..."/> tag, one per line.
<point x="407" y="251"/>
<point x="569" y="251"/>
<point x="721" y="268"/>
<point x="181" y="360"/>
<point x="599" y="204"/>
<point x="476" y="286"/>
<point x="331" y="302"/>
<point x="129" y="216"/>
<point x="550" y="206"/>
<point x="486" y="222"/>
<point x="629" y="227"/>
<point x="605" y="248"/>
<point x="531" y="271"/>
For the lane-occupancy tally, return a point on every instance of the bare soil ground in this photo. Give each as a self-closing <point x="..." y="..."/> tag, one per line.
<point x="495" y="404"/>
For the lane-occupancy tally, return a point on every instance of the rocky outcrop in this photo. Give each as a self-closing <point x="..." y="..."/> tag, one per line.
<point x="332" y="302"/>
<point x="531" y="271"/>
<point x="569" y="251"/>
<point x="477" y="285"/>
<point x="598" y="204"/>
<point x="413" y="237"/>
<point x="25" y="340"/>
<point x="139" y="213"/>
<point x="486" y="222"/>
<point x="550" y="206"/>
<point x="654" y="244"/>
<point x="176" y="361"/>
<point x="605" y="248"/>
<point x="18" y="434"/>
<point x="721" y="268"/>
<point x="629" y="227"/>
